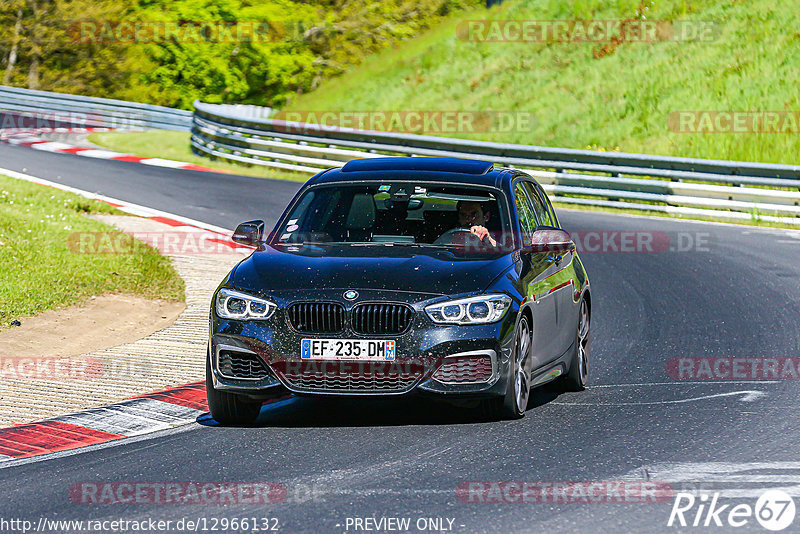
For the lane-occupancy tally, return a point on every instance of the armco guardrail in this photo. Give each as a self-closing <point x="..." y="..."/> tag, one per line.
<point x="699" y="187"/>
<point x="28" y="109"/>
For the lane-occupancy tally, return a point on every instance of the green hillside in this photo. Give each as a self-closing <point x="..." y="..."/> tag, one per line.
<point x="615" y="96"/>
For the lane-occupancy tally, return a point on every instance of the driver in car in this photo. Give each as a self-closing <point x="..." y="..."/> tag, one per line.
<point x="471" y="214"/>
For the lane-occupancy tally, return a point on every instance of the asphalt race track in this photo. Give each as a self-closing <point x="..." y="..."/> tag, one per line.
<point x="734" y="295"/>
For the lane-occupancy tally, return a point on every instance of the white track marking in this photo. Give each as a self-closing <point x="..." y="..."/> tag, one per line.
<point x="127" y="207"/>
<point x="683" y="383"/>
<point x="748" y="396"/>
<point x="21" y="140"/>
<point x="731" y="480"/>
<point x="51" y="146"/>
<point x="158" y="162"/>
<point x="100" y="154"/>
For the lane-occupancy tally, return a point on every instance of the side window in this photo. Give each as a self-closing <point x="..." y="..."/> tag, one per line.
<point x="542" y="215"/>
<point x="526" y="219"/>
<point x="549" y="206"/>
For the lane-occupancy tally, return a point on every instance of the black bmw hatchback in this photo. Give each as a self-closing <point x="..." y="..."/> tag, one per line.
<point x="394" y="276"/>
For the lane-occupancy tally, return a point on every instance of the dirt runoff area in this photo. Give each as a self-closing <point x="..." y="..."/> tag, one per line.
<point x="101" y="322"/>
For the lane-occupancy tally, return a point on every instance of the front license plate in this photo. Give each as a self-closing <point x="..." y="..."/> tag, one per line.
<point x="347" y="349"/>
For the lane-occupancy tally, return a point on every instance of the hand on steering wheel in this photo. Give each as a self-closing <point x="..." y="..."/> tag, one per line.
<point x="482" y="234"/>
<point x="478" y="231"/>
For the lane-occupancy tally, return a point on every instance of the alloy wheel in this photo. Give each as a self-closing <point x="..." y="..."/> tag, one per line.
<point x="583" y="343"/>
<point x="521" y="366"/>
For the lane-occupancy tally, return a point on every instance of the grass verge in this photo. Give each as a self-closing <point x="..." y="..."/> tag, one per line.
<point x="591" y="94"/>
<point x="40" y="272"/>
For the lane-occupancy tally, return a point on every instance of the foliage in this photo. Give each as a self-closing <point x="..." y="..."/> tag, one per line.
<point x="310" y="41"/>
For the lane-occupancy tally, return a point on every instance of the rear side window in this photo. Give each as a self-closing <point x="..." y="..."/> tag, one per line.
<point x="549" y="206"/>
<point x="543" y="217"/>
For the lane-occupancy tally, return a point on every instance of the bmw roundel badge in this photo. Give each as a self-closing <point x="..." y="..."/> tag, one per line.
<point x="350" y="294"/>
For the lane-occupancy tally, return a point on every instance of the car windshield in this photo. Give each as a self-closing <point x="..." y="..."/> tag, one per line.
<point x="395" y="213"/>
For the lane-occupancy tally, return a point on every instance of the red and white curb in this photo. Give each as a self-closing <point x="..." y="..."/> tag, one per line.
<point x="30" y="139"/>
<point x="136" y="417"/>
<point x="219" y="235"/>
<point x="141" y="415"/>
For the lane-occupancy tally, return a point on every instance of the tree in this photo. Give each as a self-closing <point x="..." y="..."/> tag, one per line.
<point x="308" y="41"/>
<point x="14" y="49"/>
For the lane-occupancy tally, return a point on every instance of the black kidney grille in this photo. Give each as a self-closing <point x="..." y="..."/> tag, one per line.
<point x="317" y="317"/>
<point x="376" y="319"/>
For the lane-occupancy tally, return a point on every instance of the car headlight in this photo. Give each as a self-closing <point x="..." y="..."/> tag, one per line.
<point x="482" y="309"/>
<point x="232" y="304"/>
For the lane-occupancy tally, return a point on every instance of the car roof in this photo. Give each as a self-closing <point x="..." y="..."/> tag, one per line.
<point x="416" y="168"/>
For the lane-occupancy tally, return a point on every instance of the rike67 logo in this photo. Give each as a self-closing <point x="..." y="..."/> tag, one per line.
<point x="774" y="510"/>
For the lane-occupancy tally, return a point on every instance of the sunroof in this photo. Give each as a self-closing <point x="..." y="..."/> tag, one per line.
<point x="461" y="166"/>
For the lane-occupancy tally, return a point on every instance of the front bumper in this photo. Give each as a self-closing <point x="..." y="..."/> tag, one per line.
<point x="420" y="352"/>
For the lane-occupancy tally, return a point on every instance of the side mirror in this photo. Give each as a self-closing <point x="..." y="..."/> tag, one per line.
<point x="249" y="233"/>
<point x="549" y="239"/>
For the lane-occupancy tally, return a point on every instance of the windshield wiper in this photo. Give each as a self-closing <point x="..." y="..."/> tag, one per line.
<point x="399" y="244"/>
<point x="303" y="243"/>
<point x="372" y="244"/>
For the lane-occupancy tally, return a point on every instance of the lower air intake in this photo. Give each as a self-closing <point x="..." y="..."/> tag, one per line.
<point x="350" y="377"/>
<point x="464" y="369"/>
<point x="241" y="365"/>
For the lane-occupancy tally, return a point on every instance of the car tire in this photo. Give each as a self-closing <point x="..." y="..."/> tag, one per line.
<point x="229" y="408"/>
<point x="578" y="375"/>
<point x="512" y="405"/>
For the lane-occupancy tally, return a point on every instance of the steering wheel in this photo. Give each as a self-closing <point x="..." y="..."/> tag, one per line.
<point x="447" y="238"/>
